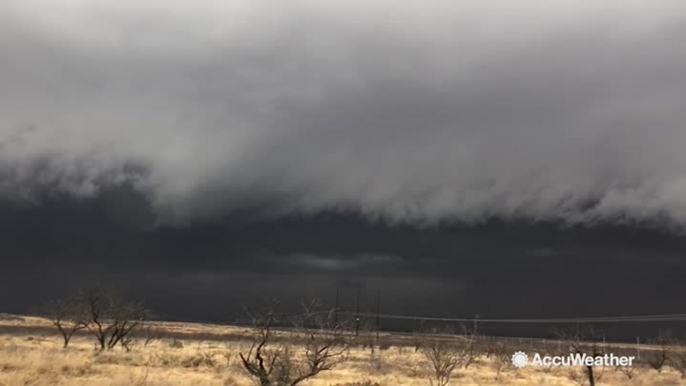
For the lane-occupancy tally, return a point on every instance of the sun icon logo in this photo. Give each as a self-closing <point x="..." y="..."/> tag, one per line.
<point x="520" y="359"/>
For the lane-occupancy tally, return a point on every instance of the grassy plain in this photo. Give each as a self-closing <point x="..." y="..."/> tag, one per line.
<point x="207" y="355"/>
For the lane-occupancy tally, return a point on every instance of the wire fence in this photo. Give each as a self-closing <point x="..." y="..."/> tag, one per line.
<point x="370" y="323"/>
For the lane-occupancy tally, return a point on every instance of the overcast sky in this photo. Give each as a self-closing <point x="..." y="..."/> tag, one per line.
<point x="173" y="126"/>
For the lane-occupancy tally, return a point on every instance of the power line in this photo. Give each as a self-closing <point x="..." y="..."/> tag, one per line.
<point x="609" y="319"/>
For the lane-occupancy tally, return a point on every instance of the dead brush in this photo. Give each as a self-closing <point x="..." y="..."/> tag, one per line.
<point x="201" y="358"/>
<point x="376" y="364"/>
<point x="175" y="343"/>
<point x="77" y="370"/>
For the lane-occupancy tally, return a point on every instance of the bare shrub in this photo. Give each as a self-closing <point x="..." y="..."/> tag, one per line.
<point x="321" y="344"/>
<point x="657" y="357"/>
<point x="584" y="341"/>
<point x="175" y="343"/>
<point x="629" y="370"/>
<point x="143" y="333"/>
<point x="677" y="360"/>
<point x="376" y="363"/>
<point x="502" y="357"/>
<point x="472" y="336"/>
<point x="446" y="351"/>
<point x="151" y="333"/>
<point x="200" y="359"/>
<point x="69" y="316"/>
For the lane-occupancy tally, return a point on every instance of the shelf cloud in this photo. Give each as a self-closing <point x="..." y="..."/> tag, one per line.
<point x="417" y="112"/>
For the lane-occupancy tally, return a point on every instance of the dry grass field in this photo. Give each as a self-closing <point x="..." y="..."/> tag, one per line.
<point x="207" y="355"/>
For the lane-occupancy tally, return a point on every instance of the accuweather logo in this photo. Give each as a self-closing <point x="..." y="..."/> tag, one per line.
<point x="520" y="360"/>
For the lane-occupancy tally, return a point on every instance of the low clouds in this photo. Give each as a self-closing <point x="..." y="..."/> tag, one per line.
<point x="421" y="112"/>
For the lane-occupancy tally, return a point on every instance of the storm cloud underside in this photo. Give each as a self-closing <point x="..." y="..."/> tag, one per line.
<point x="416" y="112"/>
<point x="518" y="160"/>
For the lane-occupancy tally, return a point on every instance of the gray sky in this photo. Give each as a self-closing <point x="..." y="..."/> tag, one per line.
<point x="421" y="142"/>
<point x="419" y="111"/>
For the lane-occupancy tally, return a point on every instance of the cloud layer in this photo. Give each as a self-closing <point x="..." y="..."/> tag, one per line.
<point x="420" y="111"/>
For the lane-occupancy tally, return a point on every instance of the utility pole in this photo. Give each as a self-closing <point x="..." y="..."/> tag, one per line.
<point x="357" y="314"/>
<point x="335" y="309"/>
<point x="378" y="309"/>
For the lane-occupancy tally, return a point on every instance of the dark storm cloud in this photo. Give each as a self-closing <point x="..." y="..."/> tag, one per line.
<point x="209" y="270"/>
<point x="420" y="111"/>
<point x="205" y="154"/>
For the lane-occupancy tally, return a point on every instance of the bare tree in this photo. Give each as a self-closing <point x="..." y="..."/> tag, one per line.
<point x="445" y="351"/>
<point x="315" y="344"/>
<point x="657" y="357"/>
<point x="677" y="359"/>
<point x="260" y="360"/>
<point x="111" y="320"/>
<point x="583" y="341"/>
<point x="502" y="357"/>
<point x="472" y="336"/>
<point x="629" y="370"/>
<point x="144" y="333"/>
<point x="151" y="333"/>
<point x="68" y="316"/>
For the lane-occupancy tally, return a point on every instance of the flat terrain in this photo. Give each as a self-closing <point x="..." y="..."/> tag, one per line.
<point x="207" y="355"/>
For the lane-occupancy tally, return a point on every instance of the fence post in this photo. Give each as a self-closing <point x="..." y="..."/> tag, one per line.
<point x="638" y="348"/>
